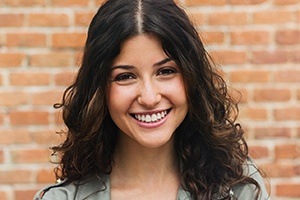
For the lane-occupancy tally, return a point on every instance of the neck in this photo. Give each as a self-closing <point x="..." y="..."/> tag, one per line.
<point x="138" y="164"/>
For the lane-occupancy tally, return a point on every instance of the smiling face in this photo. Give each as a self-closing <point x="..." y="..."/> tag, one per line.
<point x="146" y="97"/>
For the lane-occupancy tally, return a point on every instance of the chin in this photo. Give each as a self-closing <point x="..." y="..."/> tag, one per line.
<point x="156" y="143"/>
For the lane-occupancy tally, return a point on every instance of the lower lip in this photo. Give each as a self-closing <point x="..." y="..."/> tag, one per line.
<point x="152" y="124"/>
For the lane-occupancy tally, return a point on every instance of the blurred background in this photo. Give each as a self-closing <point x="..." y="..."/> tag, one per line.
<point x="256" y="43"/>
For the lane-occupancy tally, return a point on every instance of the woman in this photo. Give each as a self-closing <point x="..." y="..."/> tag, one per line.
<point x="148" y="117"/>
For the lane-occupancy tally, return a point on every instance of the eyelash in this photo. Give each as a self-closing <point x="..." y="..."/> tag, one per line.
<point x="128" y="76"/>
<point x="166" y="71"/>
<point x="124" y="77"/>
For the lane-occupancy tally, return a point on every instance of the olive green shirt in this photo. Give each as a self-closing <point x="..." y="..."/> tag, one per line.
<point x="99" y="188"/>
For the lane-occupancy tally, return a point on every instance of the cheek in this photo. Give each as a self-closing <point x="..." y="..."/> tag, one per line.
<point x="118" y="99"/>
<point x="177" y="91"/>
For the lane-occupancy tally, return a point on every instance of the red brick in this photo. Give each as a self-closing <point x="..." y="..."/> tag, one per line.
<point x="229" y="57"/>
<point x="279" y="170"/>
<point x="64" y="78"/>
<point x="250" y="37"/>
<point x="288" y="37"/>
<point x="100" y="2"/>
<point x="240" y="95"/>
<point x="51" y="59"/>
<point x="13" y="98"/>
<point x="2" y="39"/>
<point x="297" y="169"/>
<point x="286" y="2"/>
<point x="30" y="155"/>
<point x="26" y="39"/>
<point x="47" y="137"/>
<point x="269" y="57"/>
<point x="254" y="113"/>
<point x="197" y="18"/>
<point x="83" y="18"/>
<point x="272" y="17"/>
<point x="78" y="57"/>
<point x="11" y="59"/>
<point x="205" y="2"/>
<point x="3" y="195"/>
<point x="29" y="117"/>
<point x="272" y="132"/>
<point x="287" y="151"/>
<point x="1" y="118"/>
<point x="70" y="3"/>
<point x="48" y="19"/>
<point x="15" y="176"/>
<point x="46" y="97"/>
<point x="286" y="114"/>
<point x="213" y="37"/>
<point x="24" y="194"/>
<point x="227" y="18"/>
<point x="29" y="78"/>
<point x="11" y="20"/>
<point x="1" y="159"/>
<point x="46" y="176"/>
<point x="296" y="56"/>
<point x="68" y="40"/>
<point x="21" y="3"/>
<point x="246" y="2"/>
<point x="249" y="76"/>
<point x="287" y="76"/>
<point x="58" y="118"/>
<point x="288" y="189"/>
<point x="258" y="152"/>
<point x="15" y="137"/>
<point x="271" y="95"/>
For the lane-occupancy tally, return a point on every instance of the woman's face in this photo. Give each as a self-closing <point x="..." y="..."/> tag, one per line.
<point x="146" y="96"/>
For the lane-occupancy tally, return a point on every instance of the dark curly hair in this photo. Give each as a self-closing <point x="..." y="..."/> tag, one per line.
<point x="209" y="143"/>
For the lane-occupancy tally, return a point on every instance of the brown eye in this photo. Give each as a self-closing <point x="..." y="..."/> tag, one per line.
<point x="124" y="77"/>
<point x="166" y="71"/>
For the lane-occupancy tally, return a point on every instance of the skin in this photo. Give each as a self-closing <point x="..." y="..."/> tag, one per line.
<point x="144" y="81"/>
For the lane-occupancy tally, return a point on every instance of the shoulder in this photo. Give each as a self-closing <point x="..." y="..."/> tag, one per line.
<point x="248" y="191"/>
<point x="62" y="190"/>
<point x="89" y="187"/>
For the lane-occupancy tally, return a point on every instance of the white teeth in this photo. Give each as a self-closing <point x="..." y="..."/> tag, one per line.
<point x="148" y="118"/>
<point x="158" y="116"/>
<point x="151" y="118"/>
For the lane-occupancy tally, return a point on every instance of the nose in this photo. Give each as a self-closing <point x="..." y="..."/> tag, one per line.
<point x="149" y="94"/>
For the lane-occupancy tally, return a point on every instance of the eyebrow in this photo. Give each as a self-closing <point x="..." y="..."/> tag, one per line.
<point x="159" y="63"/>
<point x="122" y="67"/>
<point x="162" y="62"/>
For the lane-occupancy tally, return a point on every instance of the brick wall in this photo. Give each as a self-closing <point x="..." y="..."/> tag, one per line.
<point x="256" y="42"/>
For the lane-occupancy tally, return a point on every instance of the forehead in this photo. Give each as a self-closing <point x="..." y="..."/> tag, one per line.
<point x="140" y="47"/>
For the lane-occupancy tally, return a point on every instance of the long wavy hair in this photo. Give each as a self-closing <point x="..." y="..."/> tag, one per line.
<point x="209" y="143"/>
